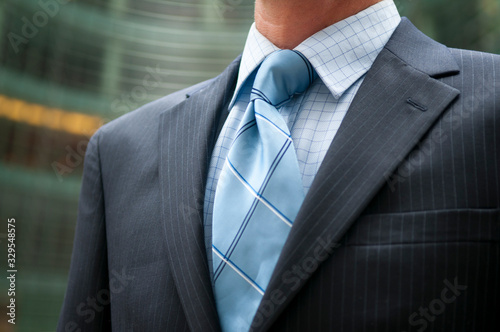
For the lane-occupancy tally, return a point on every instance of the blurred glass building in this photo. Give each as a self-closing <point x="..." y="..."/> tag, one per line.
<point x="68" y="66"/>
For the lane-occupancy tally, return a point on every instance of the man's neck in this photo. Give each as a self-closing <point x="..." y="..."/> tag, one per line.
<point x="286" y="23"/>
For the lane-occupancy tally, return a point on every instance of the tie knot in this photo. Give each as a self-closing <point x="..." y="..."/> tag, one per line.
<point x="281" y="75"/>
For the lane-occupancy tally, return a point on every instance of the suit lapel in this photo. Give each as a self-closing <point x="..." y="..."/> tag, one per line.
<point x="395" y="106"/>
<point x="187" y="135"/>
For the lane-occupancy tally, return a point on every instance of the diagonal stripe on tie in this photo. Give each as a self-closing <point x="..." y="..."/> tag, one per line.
<point x="258" y="196"/>
<point x="287" y="135"/>
<point x="238" y="270"/>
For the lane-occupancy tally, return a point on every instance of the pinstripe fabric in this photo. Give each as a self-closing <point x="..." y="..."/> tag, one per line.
<point x="403" y="214"/>
<point x="397" y="269"/>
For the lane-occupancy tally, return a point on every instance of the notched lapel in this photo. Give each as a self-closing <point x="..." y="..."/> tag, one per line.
<point x="187" y="136"/>
<point x="394" y="107"/>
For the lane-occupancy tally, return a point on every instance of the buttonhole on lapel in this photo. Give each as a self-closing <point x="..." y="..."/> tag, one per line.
<point x="187" y="96"/>
<point x="416" y="105"/>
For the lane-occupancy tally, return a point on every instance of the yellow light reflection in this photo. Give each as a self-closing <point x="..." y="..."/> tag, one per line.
<point x="48" y="117"/>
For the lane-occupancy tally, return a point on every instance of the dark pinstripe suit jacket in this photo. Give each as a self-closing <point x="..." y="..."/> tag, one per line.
<point x="400" y="230"/>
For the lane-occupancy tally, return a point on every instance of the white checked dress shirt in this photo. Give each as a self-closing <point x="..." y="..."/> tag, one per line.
<point x="341" y="54"/>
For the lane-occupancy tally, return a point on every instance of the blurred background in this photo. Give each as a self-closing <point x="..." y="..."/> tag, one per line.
<point x="69" y="66"/>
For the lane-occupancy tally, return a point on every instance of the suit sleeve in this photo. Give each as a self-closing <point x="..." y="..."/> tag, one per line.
<point x="86" y="305"/>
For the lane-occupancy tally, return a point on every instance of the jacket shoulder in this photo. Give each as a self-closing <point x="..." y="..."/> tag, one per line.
<point x="147" y="116"/>
<point x="479" y="71"/>
<point x="474" y="57"/>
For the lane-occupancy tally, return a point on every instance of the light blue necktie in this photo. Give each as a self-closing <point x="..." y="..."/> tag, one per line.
<point x="259" y="192"/>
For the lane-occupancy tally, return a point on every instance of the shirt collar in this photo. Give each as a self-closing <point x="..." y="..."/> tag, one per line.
<point x="341" y="53"/>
